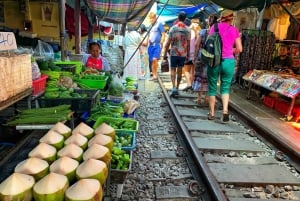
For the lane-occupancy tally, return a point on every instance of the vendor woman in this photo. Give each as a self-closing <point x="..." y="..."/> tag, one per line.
<point x="94" y="59"/>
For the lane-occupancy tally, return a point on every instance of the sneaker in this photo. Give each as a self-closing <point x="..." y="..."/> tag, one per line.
<point x="187" y="88"/>
<point x="174" y="92"/>
<point x="225" y="118"/>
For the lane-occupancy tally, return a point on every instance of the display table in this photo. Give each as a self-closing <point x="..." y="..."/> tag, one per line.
<point x="10" y="101"/>
<point x="283" y="84"/>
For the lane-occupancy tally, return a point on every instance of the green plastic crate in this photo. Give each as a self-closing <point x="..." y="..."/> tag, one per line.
<point x="78" y="65"/>
<point x="117" y="123"/>
<point x="93" y="81"/>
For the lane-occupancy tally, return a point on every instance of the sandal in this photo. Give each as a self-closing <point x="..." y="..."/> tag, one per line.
<point x="210" y="117"/>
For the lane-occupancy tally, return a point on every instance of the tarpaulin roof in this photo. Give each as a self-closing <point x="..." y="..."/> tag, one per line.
<point x="121" y="11"/>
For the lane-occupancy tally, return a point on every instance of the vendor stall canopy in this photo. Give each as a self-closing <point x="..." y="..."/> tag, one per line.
<point x="135" y="11"/>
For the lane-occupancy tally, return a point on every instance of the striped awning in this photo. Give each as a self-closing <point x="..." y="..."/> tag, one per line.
<point x="121" y="11"/>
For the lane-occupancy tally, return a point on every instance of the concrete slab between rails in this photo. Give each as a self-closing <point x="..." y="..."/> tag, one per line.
<point x="257" y="174"/>
<point x="210" y="158"/>
<point x="186" y="103"/>
<point x="213" y="126"/>
<point x="193" y="112"/>
<point x="172" y="192"/>
<point x="227" y="145"/>
<point x="163" y="155"/>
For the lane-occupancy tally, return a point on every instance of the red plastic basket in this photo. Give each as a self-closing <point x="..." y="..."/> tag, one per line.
<point x="282" y="106"/>
<point x="269" y="101"/>
<point x="39" y="85"/>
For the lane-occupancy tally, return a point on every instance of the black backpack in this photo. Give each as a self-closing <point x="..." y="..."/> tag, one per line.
<point x="211" y="52"/>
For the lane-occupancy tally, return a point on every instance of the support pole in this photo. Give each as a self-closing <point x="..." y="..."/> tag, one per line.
<point x="62" y="28"/>
<point x="77" y="17"/>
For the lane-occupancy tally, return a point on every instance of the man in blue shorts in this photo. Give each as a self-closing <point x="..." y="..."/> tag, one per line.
<point x="179" y="37"/>
<point x="156" y="39"/>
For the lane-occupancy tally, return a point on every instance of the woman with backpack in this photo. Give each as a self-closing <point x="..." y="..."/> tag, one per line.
<point x="231" y="44"/>
<point x="200" y="76"/>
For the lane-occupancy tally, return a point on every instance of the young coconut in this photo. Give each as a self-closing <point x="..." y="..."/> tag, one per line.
<point x="77" y="139"/>
<point x="62" y="129"/>
<point x="85" y="190"/>
<point x="53" y="138"/>
<point x="92" y="169"/>
<point x="51" y="188"/>
<point x="106" y="130"/>
<point x="101" y="139"/>
<point x="72" y="151"/>
<point x="44" y="151"/>
<point x="99" y="152"/>
<point x="84" y="129"/>
<point x="35" y="167"/>
<point x="17" y="187"/>
<point x="65" y="166"/>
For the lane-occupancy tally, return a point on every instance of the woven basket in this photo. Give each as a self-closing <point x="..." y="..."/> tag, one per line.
<point x="15" y="76"/>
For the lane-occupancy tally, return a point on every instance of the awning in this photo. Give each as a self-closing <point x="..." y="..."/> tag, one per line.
<point x="121" y="11"/>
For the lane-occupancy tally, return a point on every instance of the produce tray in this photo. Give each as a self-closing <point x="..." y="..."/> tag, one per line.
<point x="93" y="81"/>
<point x="119" y="176"/>
<point x="132" y="115"/>
<point x="78" y="105"/>
<point x="117" y="123"/>
<point x="133" y="140"/>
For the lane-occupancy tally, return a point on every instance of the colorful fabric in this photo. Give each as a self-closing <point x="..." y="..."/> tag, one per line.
<point x="120" y="12"/>
<point x="94" y="63"/>
<point x="228" y="35"/>
<point x="180" y="36"/>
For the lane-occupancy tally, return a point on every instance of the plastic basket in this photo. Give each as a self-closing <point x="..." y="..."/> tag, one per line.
<point x="77" y="104"/>
<point x="119" y="176"/>
<point x="68" y="67"/>
<point x="282" y="106"/>
<point x="132" y="115"/>
<point x="78" y="65"/>
<point x="269" y="101"/>
<point x="94" y="82"/>
<point x="39" y="85"/>
<point x="117" y="123"/>
<point x="133" y="140"/>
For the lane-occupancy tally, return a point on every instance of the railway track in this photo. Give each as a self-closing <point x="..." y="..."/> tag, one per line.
<point x="236" y="163"/>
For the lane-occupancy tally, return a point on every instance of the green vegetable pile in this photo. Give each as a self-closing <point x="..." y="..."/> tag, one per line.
<point x="124" y="140"/>
<point x="121" y="123"/>
<point x="48" y="115"/>
<point x="106" y="109"/>
<point x="63" y="92"/>
<point x="120" y="159"/>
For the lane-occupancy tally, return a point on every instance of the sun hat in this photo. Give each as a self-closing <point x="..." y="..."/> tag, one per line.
<point x="226" y="15"/>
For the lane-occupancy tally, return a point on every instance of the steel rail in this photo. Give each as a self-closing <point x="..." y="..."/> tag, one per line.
<point x="212" y="183"/>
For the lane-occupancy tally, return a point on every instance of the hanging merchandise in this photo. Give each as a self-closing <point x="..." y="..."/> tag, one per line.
<point x="258" y="48"/>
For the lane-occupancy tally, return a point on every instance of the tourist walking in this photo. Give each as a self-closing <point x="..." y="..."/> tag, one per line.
<point x="179" y="39"/>
<point x="145" y="72"/>
<point x="132" y="57"/>
<point x="156" y="39"/>
<point x="231" y="44"/>
<point x="189" y="66"/>
<point x="200" y="76"/>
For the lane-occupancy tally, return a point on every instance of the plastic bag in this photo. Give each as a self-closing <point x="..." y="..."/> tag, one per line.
<point x="44" y="49"/>
<point x="116" y="86"/>
<point x="130" y="106"/>
<point x="36" y="73"/>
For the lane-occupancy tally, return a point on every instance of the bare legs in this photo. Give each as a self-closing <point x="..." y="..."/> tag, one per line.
<point x="212" y="102"/>
<point x="154" y="67"/>
<point x="176" y="72"/>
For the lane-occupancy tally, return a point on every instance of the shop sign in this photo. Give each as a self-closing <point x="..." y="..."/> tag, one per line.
<point x="7" y="41"/>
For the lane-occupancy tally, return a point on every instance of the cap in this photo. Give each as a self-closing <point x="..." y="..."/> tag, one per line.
<point x="226" y="15"/>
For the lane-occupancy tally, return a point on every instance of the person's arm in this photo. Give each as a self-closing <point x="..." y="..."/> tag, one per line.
<point x="166" y="48"/>
<point x="197" y="48"/>
<point x="238" y="46"/>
